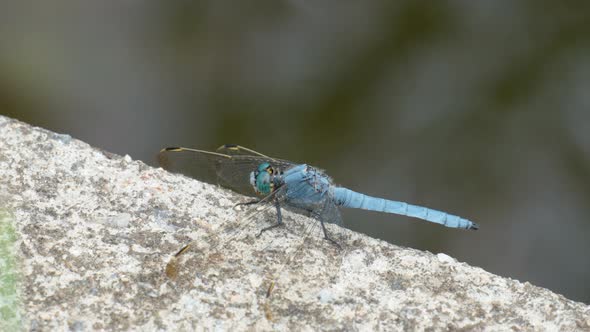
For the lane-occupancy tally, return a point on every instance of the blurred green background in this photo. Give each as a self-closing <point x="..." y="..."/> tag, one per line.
<point x="477" y="108"/>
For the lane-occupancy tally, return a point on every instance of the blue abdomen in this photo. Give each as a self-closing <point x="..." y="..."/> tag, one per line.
<point x="348" y="198"/>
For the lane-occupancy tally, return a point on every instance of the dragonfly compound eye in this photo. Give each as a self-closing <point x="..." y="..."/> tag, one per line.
<point x="263" y="183"/>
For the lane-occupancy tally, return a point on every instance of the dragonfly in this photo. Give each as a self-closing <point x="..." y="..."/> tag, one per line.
<point x="301" y="187"/>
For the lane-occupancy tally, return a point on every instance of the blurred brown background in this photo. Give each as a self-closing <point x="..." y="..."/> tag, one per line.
<point x="478" y="108"/>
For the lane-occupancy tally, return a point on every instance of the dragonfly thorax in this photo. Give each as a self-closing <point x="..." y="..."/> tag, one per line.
<point x="265" y="179"/>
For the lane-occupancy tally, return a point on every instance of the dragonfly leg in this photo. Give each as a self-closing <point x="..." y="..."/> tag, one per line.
<point x="279" y="219"/>
<point x="329" y="238"/>
<point x="256" y="201"/>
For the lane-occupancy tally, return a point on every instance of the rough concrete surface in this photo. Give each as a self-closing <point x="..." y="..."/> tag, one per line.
<point x="94" y="232"/>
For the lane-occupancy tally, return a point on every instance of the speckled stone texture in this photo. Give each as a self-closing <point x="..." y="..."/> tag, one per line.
<point x="95" y="231"/>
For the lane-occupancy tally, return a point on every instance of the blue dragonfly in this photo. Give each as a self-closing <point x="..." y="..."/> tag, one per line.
<point x="296" y="186"/>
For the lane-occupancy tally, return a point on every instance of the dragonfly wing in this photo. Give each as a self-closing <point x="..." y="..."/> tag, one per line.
<point x="238" y="150"/>
<point x="195" y="164"/>
<point x="229" y="170"/>
<point x="328" y="212"/>
<point x="234" y="149"/>
<point x="231" y="231"/>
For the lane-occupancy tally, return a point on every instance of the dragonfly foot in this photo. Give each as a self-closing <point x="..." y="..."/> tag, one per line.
<point x="268" y="228"/>
<point x="256" y="201"/>
<point x="334" y="242"/>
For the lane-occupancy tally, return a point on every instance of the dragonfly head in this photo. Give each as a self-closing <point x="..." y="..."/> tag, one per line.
<point x="261" y="179"/>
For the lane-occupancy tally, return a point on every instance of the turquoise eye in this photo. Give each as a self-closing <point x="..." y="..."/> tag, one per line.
<point x="263" y="183"/>
<point x="261" y="179"/>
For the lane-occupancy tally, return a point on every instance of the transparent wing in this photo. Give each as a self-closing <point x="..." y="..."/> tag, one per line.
<point x="325" y="211"/>
<point x="328" y="212"/>
<point x="307" y="233"/>
<point x="240" y="151"/>
<point x="230" y="167"/>
<point x="245" y="223"/>
<point x="234" y="149"/>
<point x="226" y="234"/>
